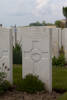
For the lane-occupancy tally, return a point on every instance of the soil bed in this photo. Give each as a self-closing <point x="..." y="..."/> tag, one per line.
<point x="16" y="95"/>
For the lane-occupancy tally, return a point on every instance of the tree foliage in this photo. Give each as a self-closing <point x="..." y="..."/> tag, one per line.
<point x="43" y="23"/>
<point x="36" y="24"/>
<point x="59" y="24"/>
<point x="65" y="13"/>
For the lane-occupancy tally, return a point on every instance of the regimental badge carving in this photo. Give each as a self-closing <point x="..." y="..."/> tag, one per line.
<point x="36" y="55"/>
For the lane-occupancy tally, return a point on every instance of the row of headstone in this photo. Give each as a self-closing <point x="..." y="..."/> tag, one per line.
<point x="58" y="39"/>
<point x="36" y="53"/>
<point x="6" y="53"/>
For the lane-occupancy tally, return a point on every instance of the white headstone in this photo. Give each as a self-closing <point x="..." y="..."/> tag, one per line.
<point x="64" y="36"/>
<point x="36" y="54"/>
<point x="6" y="53"/>
<point x="55" y="42"/>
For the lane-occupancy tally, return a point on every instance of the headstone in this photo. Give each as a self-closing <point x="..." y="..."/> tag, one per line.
<point x="64" y="38"/>
<point x="55" y="42"/>
<point x="36" y="54"/>
<point x="6" y="53"/>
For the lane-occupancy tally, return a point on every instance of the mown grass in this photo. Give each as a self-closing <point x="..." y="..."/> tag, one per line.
<point x="60" y="81"/>
<point x="63" y="97"/>
<point x="17" y="74"/>
<point x="59" y="77"/>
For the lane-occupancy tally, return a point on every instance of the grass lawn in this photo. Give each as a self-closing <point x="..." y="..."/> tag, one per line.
<point x="63" y="97"/>
<point x="59" y="79"/>
<point x="17" y="75"/>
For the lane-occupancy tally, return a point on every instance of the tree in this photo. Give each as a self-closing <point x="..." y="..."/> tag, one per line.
<point x="59" y="24"/>
<point x="36" y="24"/>
<point x="49" y="24"/>
<point x="43" y="23"/>
<point x="65" y="14"/>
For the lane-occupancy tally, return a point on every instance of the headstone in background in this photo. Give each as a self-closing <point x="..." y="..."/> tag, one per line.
<point x="64" y="36"/>
<point x="6" y="52"/>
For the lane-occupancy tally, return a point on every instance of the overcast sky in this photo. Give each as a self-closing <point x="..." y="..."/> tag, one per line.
<point x="22" y="12"/>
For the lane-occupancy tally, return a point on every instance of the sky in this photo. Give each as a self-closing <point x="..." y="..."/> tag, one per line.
<point x="23" y="12"/>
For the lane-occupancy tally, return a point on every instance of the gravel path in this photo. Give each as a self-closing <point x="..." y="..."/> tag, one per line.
<point x="15" y="95"/>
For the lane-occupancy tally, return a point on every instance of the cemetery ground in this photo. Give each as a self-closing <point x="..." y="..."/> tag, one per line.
<point x="59" y="86"/>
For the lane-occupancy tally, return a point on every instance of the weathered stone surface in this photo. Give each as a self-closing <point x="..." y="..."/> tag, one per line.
<point x="36" y="52"/>
<point x="6" y="52"/>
